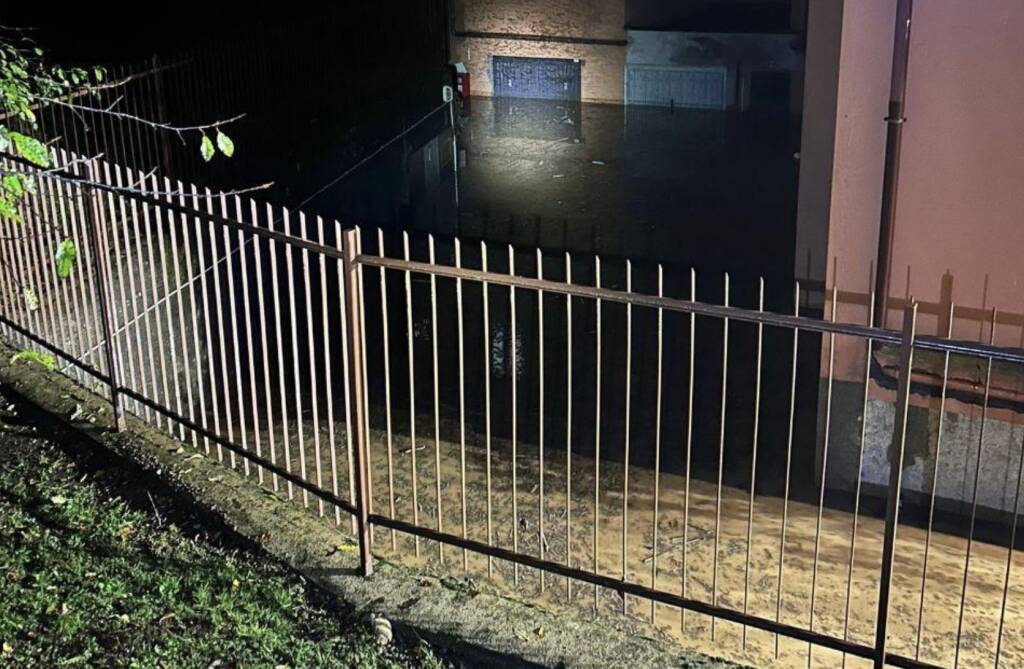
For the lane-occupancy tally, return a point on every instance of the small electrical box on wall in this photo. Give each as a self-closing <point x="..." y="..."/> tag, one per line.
<point x="462" y="80"/>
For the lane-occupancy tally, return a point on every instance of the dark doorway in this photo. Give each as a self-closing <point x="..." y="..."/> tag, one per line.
<point x="539" y="78"/>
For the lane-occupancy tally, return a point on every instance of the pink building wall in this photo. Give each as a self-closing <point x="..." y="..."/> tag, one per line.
<point x="960" y="210"/>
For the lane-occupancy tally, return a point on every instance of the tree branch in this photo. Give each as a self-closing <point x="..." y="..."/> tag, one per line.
<point x="179" y="130"/>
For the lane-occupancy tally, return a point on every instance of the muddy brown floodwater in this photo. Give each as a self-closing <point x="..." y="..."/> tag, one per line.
<point x="729" y="582"/>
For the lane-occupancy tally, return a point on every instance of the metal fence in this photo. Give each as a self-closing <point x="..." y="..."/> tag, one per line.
<point x="392" y="380"/>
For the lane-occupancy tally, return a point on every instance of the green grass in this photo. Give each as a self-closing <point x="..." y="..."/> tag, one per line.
<point x="88" y="580"/>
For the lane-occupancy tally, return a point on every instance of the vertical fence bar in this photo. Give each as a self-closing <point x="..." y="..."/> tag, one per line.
<point x="487" y="401"/>
<point x="657" y="442"/>
<point x="127" y="316"/>
<point x="386" y="340"/>
<point x="366" y="383"/>
<point x="279" y="345"/>
<point x="226" y="259"/>
<point x="328" y="380"/>
<point x="789" y="461"/>
<point x="824" y="461"/>
<point x="689" y="443"/>
<point x="289" y="263"/>
<point x="264" y="353"/>
<point x="721" y="456"/>
<point x="167" y="299"/>
<point x="179" y="288"/>
<point x="103" y="295"/>
<point x="753" y="455"/>
<point x="346" y="373"/>
<point x="896" y="452"/>
<point x="540" y="415"/>
<point x="244" y="263"/>
<point x="412" y="393"/>
<point x="67" y="209"/>
<point x="143" y="373"/>
<point x="207" y="321"/>
<point x="628" y="426"/>
<point x="355" y="380"/>
<point x="236" y="343"/>
<point x="462" y="399"/>
<point x="514" y="374"/>
<point x="149" y="376"/>
<point x="92" y="313"/>
<point x="133" y="321"/>
<point x="437" y="399"/>
<point x="219" y="311"/>
<point x="597" y="424"/>
<point x="568" y="427"/>
<point x="313" y="400"/>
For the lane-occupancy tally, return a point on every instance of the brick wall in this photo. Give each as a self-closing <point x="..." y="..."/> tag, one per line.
<point x="603" y="64"/>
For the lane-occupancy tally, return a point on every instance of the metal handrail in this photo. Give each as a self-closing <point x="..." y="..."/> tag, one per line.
<point x="876" y="334"/>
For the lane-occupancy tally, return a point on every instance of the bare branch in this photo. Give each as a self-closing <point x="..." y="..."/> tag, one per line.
<point x="179" y="130"/>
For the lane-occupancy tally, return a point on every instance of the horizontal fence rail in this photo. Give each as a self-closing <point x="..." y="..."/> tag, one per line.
<point x="549" y="415"/>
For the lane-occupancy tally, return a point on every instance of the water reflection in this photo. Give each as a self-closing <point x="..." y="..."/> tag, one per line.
<point x="711" y="191"/>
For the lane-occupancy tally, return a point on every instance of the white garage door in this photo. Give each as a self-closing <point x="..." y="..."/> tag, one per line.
<point x="699" y="87"/>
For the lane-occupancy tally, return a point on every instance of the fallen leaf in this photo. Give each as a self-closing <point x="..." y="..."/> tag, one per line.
<point x="58" y="500"/>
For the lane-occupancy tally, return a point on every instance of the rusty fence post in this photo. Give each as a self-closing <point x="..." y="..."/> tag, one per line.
<point x="352" y="297"/>
<point x="101" y="263"/>
<point x="896" y="453"/>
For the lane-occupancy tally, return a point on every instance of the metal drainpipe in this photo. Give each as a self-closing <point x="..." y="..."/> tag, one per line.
<point x="893" y="140"/>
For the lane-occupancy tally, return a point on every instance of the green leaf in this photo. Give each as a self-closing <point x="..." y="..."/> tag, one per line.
<point x="98" y="73"/>
<point x="224" y="143"/>
<point x="31" y="299"/>
<point x="206" y="149"/>
<point x="66" y="254"/>
<point x="8" y="210"/>
<point x="44" y="359"/>
<point x="11" y="185"/>
<point x="31" y="149"/>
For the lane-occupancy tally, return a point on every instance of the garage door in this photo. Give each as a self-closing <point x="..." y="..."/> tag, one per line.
<point x="539" y="78"/>
<point x="699" y="87"/>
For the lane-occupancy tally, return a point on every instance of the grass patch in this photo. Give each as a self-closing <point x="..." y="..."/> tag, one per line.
<point x="88" y="579"/>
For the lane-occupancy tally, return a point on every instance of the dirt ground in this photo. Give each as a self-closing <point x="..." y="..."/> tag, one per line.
<point x="729" y="582"/>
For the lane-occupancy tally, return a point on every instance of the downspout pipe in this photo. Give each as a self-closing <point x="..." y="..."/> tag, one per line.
<point x="893" y="141"/>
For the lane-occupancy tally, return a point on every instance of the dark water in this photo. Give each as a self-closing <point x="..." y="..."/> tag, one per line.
<point x="714" y="192"/>
<point x="699" y="193"/>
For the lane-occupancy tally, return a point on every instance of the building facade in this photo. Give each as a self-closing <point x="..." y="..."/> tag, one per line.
<point x="621" y="51"/>
<point x="589" y="35"/>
